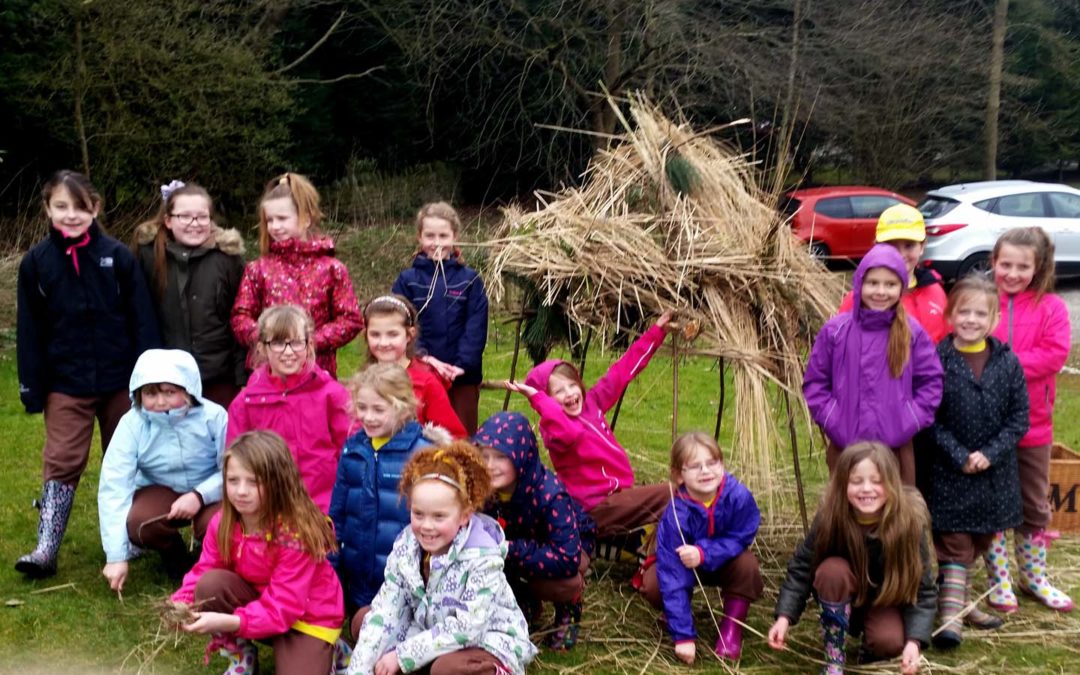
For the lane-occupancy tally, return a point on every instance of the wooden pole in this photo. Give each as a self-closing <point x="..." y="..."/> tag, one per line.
<point x="584" y="354"/>
<point x="674" y="386"/>
<point x="517" y="350"/>
<point x="795" y="459"/>
<point x="720" y="405"/>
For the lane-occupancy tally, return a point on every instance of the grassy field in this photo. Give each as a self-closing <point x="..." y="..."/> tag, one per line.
<point x="83" y="627"/>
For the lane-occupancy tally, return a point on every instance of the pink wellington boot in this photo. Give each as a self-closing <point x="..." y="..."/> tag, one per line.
<point x="729" y="644"/>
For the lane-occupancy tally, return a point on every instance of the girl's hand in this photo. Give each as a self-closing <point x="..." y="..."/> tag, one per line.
<point x="445" y="370"/>
<point x="909" y="660"/>
<point x="685" y="651"/>
<point x="185" y="507"/>
<point x="778" y="633"/>
<point x="689" y="555"/>
<point x="116" y="573"/>
<point x="213" y="622"/>
<point x="664" y="320"/>
<point x="387" y="664"/>
<point x="521" y="388"/>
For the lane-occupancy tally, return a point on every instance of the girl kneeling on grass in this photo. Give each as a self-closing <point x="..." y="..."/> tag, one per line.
<point x="584" y="451"/>
<point x="263" y="573"/>
<point x="867" y="561"/>
<point x="708" y="527"/>
<point x="445" y="602"/>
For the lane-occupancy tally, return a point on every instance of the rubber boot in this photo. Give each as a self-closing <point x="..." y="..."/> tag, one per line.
<point x="834" y="627"/>
<point x="977" y="618"/>
<point x="55" y="505"/>
<point x="244" y="660"/>
<point x="729" y="644"/>
<point x="952" y="598"/>
<point x="567" y="617"/>
<point x="1002" y="598"/>
<point x="1031" y="554"/>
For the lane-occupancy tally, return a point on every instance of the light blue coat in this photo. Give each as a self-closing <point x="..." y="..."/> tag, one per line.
<point x="180" y="449"/>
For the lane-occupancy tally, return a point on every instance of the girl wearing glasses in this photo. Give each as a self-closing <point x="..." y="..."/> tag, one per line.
<point x="297" y="265"/>
<point x="193" y="268"/>
<point x="704" y="538"/>
<point x="289" y="393"/>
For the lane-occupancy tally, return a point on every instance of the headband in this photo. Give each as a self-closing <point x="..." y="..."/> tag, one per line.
<point x="167" y="190"/>
<point x="446" y="479"/>
<point x="395" y="302"/>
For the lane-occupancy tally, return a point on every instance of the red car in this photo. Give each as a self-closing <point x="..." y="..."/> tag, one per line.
<point x="838" y="221"/>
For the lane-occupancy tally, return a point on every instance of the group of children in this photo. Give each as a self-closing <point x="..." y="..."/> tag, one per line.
<point x="385" y="508"/>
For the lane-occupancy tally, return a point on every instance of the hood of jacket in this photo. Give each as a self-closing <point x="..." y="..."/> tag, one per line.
<point x="510" y="434"/>
<point x="227" y="241"/>
<point x="174" y="366"/>
<point x="538" y="377"/>
<point x="881" y="255"/>
<point x="482" y="537"/>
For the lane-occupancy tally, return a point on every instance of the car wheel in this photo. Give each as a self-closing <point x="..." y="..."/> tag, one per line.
<point x="819" y="250"/>
<point x="976" y="263"/>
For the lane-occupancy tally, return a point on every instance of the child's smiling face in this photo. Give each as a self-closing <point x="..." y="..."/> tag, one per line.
<point x="880" y="289"/>
<point x="66" y="215"/>
<point x="436" y="515"/>
<point x="388" y="338"/>
<point x="972" y="319"/>
<point x="1014" y="268"/>
<point x="701" y="474"/>
<point x="865" y="489"/>
<point x="501" y="469"/>
<point x="567" y="393"/>
<point x="437" y="237"/>
<point x="378" y="416"/>
<point x="283" y="222"/>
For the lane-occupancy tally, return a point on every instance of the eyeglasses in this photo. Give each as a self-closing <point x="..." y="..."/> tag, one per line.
<point x="713" y="465"/>
<point x="188" y="219"/>
<point x="278" y="346"/>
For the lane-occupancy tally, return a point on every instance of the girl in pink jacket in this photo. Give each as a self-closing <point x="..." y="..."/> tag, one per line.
<point x="1035" y="323"/>
<point x="584" y="452"/>
<point x="297" y="266"/>
<point x="263" y="573"/>
<point x="292" y="396"/>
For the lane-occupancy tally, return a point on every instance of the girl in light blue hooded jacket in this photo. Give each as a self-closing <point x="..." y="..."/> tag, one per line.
<point x="162" y="470"/>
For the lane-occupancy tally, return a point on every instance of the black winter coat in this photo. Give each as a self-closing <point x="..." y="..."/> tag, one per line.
<point x="991" y="415"/>
<point x="80" y="333"/>
<point x="797" y="586"/>
<point x="196" y="308"/>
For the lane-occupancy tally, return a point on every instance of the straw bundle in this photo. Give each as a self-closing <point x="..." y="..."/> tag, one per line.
<point x="671" y="219"/>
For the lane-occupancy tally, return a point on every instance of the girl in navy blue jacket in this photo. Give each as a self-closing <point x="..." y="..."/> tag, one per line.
<point x="365" y="507"/>
<point x="550" y="536"/>
<point x="704" y="536"/>
<point x="84" y="316"/>
<point x="452" y="306"/>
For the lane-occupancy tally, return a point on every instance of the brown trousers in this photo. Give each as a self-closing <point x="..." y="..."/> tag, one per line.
<point x="629" y="509"/>
<point x="1034" y="465"/>
<point x="559" y="590"/>
<point x="465" y="400"/>
<point x="740" y="576"/>
<point x="883" y="627"/>
<point x="469" y="661"/>
<point x="69" y="429"/>
<point x="961" y="547"/>
<point x="905" y="455"/>
<point x="162" y="535"/>
<point x="220" y="590"/>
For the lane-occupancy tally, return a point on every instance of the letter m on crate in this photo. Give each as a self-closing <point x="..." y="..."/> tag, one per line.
<point x="1064" y="482"/>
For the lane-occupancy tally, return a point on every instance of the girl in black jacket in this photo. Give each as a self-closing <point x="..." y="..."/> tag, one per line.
<point x="84" y="316"/>
<point x="975" y="485"/>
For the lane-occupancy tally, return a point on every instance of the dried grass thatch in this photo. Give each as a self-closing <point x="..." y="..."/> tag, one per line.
<point x="669" y="218"/>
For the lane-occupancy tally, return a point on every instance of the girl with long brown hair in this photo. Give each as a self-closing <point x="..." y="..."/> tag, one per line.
<point x="867" y="561"/>
<point x="873" y="374"/>
<point x="263" y="572"/>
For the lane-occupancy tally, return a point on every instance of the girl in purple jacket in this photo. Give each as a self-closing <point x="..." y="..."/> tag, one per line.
<point x="704" y="538"/>
<point x="873" y="373"/>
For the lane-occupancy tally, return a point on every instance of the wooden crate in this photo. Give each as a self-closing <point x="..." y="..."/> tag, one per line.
<point x="1064" y="488"/>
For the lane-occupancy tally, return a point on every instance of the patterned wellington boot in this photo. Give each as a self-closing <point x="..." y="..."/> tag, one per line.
<point x="1002" y="598"/>
<point x="834" y="627"/>
<point x="55" y="505"/>
<point x="1031" y="555"/>
<point x="977" y="618"/>
<point x="565" y="632"/>
<point x="244" y="660"/>
<point x="729" y="644"/>
<point x="952" y="597"/>
<point x="342" y="656"/>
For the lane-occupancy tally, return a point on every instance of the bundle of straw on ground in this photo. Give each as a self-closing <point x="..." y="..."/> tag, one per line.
<point x="668" y="218"/>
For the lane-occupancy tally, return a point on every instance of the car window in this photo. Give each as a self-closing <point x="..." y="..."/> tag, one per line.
<point x="1064" y="205"/>
<point x="986" y="205"/>
<point x="834" y="207"/>
<point x="870" y="206"/>
<point x="935" y="207"/>
<point x="1026" y="205"/>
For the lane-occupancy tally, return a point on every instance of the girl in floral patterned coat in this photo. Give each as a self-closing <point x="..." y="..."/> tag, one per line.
<point x="445" y="602"/>
<point x="297" y="267"/>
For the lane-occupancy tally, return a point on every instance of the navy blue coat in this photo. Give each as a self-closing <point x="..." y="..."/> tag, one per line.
<point x="366" y="509"/>
<point x="721" y="532"/>
<point x="546" y="530"/>
<point x="453" y="310"/>
<point x="80" y="333"/>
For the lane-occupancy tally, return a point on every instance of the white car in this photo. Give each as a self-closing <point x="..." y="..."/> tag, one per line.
<point x="963" y="221"/>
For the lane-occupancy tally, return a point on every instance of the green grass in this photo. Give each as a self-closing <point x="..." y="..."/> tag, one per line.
<point x="85" y="628"/>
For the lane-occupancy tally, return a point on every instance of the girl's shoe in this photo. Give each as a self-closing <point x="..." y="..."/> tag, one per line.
<point x="834" y="627"/>
<point x="1031" y="554"/>
<point x="244" y="660"/>
<point x="976" y="618"/>
<point x="565" y="632"/>
<point x="1002" y="598"/>
<point x="952" y="597"/>
<point x="55" y="505"/>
